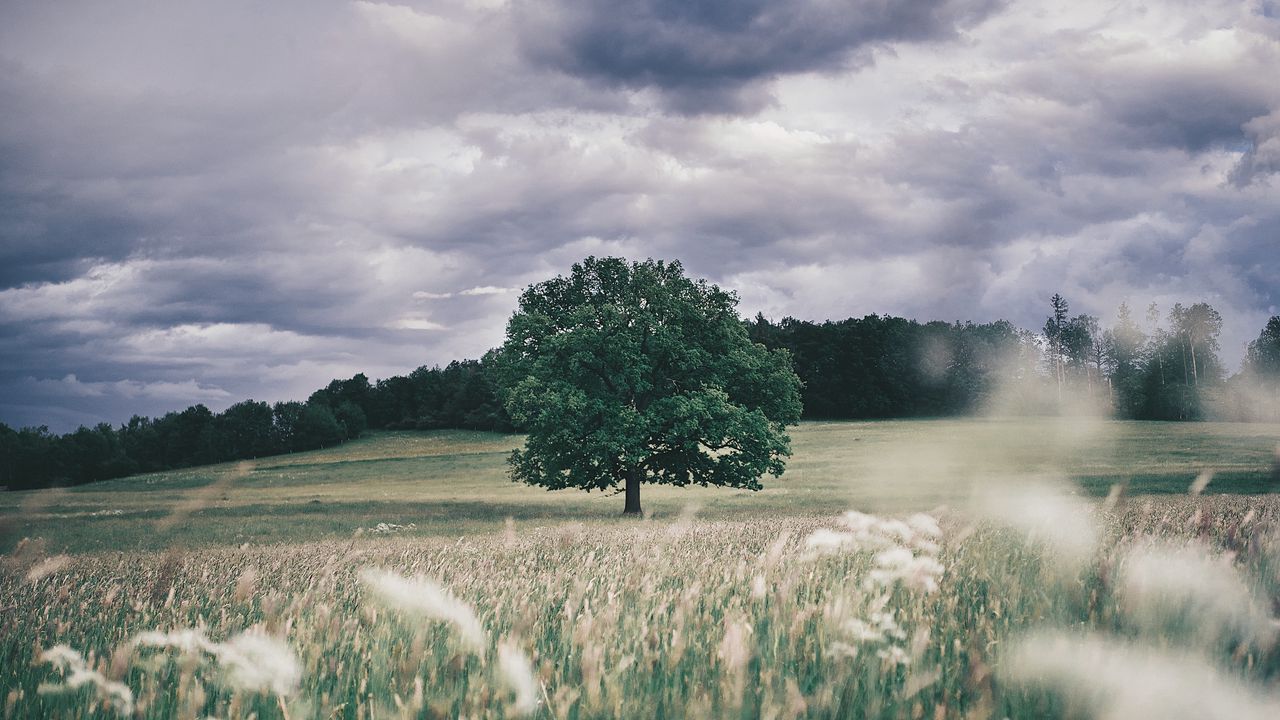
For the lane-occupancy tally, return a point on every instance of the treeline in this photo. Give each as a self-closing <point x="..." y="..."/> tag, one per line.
<point x="1164" y="368"/>
<point x="888" y="367"/>
<point x="459" y="395"/>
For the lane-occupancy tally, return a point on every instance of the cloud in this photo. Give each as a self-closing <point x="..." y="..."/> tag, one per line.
<point x="1261" y="157"/>
<point x="416" y="323"/>
<point x="188" y="391"/>
<point x="260" y="199"/>
<point x="487" y="290"/>
<point x="708" y="56"/>
<point x="469" y="292"/>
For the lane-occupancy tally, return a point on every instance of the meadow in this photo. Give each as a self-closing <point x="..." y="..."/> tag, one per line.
<point x="927" y="569"/>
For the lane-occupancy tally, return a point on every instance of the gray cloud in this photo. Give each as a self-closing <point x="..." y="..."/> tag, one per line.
<point x="202" y="203"/>
<point x="709" y="56"/>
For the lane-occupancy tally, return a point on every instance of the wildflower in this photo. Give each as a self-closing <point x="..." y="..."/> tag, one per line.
<point x="879" y="627"/>
<point x="258" y="662"/>
<point x="823" y="540"/>
<point x="904" y="554"/>
<point x="870" y="533"/>
<point x="734" y="651"/>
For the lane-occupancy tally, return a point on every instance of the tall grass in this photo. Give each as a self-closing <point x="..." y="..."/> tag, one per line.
<point x="809" y="616"/>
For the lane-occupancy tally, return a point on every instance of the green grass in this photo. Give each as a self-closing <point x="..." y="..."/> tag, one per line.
<point x="454" y="482"/>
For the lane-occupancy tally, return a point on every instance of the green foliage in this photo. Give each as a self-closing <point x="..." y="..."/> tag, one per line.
<point x="1263" y="357"/>
<point x="305" y="426"/>
<point x="881" y="366"/>
<point x="244" y="430"/>
<point x="460" y="395"/>
<point x="1183" y="367"/>
<point x="1254" y="394"/>
<point x="1124" y="356"/>
<point x="631" y="371"/>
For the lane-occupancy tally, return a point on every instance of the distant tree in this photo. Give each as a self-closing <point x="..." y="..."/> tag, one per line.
<point x="357" y="391"/>
<point x="1198" y="327"/>
<point x="284" y="425"/>
<point x="317" y="427"/>
<point x="1077" y="343"/>
<point x="37" y="460"/>
<point x="625" y="373"/>
<point x="187" y="437"/>
<point x="1183" y="368"/>
<point x="1259" y="384"/>
<point x="91" y="454"/>
<point x="1055" y="333"/>
<point x="8" y="457"/>
<point x="984" y="358"/>
<point x="351" y="418"/>
<point x="1123" y="357"/>
<point x="1263" y="355"/>
<point x="244" y="431"/>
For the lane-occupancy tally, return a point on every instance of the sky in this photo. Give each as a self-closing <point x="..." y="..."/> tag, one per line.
<point x="202" y="202"/>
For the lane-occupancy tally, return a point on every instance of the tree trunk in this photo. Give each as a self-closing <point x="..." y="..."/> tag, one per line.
<point x="634" y="476"/>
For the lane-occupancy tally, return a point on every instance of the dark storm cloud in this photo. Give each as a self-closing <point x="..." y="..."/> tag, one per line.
<point x="711" y="56"/>
<point x="1261" y="158"/>
<point x="1189" y="102"/>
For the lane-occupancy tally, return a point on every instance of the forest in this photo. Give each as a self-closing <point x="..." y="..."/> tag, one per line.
<point x="1164" y="366"/>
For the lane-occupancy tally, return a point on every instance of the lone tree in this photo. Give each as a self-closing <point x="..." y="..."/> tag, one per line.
<point x="624" y="373"/>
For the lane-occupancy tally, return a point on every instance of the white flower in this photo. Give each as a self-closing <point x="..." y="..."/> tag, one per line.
<point x="904" y="554"/>
<point x="259" y="662"/>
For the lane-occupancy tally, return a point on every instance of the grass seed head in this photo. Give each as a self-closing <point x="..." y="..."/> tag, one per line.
<point x="1185" y="590"/>
<point x="426" y="598"/>
<point x="78" y="674"/>
<point x="1115" y="680"/>
<point x="517" y="673"/>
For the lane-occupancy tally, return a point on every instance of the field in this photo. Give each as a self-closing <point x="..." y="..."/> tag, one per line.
<point x="1053" y="568"/>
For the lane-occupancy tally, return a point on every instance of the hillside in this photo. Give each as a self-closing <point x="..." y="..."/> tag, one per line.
<point x="454" y="482"/>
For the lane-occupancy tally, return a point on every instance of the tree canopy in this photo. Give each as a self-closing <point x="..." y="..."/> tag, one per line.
<point x="623" y="373"/>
